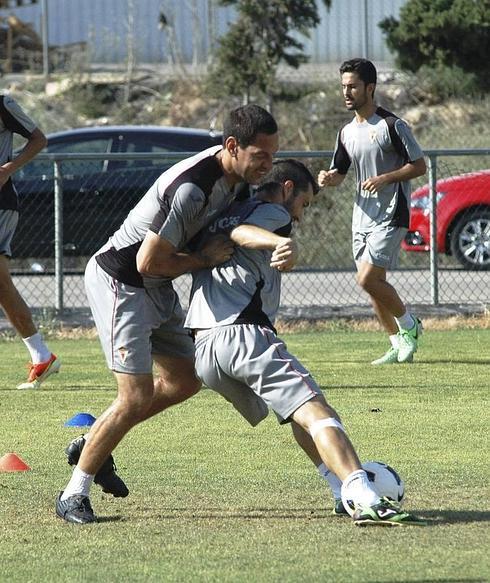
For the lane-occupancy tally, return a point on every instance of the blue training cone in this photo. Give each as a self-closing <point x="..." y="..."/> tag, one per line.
<point x="80" y="420"/>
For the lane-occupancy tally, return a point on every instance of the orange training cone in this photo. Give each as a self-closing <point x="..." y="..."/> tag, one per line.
<point x="11" y="462"/>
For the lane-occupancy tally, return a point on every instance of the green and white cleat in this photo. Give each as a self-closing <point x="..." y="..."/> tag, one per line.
<point x="339" y="508"/>
<point x="408" y="341"/>
<point x="391" y="357"/>
<point x="385" y="513"/>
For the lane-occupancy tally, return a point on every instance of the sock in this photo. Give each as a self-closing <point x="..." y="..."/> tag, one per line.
<point x="394" y="340"/>
<point x="405" y="322"/>
<point x="38" y="350"/>
<point x="334" y="483"/>
<point x="356" y="487"/>
<point x="78" y="485"/>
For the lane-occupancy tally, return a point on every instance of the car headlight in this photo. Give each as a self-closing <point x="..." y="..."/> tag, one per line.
<point x="423" y="202"/>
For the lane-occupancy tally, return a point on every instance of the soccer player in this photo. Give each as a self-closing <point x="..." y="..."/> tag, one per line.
<point x="136" y="310"/>
<point x="386" y="157"/>
<point x="238" y="353"/>
<point x="13" y="120"/>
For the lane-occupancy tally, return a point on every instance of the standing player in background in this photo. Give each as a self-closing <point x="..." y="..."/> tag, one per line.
<point x="239" y="355"/>
<point x="136" y="310"/>
<point x="13" y="120"/>
<point x="386" y="157"/>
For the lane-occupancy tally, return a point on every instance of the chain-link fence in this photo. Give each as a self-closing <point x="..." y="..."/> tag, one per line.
<point x="71" y="204"/>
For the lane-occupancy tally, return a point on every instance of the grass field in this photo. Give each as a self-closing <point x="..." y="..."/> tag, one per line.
<point x="214" y="500"/>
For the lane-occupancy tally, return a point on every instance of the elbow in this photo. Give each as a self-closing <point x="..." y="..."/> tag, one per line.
<point x="421" y="167"/>
<point x="144" y="264"/>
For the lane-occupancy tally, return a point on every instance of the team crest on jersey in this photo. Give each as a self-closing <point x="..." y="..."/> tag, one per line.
<point x="372" y="136"/>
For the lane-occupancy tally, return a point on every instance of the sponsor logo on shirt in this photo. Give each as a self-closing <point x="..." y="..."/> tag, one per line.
<point x="224" y="223"/>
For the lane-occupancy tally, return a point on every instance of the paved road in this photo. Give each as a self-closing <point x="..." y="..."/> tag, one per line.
<point x="335" y="290"/>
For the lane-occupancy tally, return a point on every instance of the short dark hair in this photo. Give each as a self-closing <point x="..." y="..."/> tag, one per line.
<point x="245" y="122"/>
<point x="290" y="169"/>
<point x="364" y="68"/>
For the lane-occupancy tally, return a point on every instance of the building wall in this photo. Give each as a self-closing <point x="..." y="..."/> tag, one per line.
<point x="344" y="31"/>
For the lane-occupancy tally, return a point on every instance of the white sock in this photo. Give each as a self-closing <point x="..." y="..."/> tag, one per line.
<point x="405" y="322"/>
<point x="356" y="487"/>
<point x="78" y="485"/>
<point x="334" y="483"/>
<point x="38" y="350"/>
<point x="394" y="341"/>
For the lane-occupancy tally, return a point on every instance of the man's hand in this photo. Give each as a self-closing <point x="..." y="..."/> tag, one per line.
<point x="374" y="183"/>
<point x="285" y="255"/>
<point x="328" y="178"/>
<point x="217" y="250"/>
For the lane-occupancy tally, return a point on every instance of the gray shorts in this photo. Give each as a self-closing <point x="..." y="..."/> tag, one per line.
<point x="251" y="368"/>
<point x="135" y="323"/>
<point x="8" y="224"/>
<point x="379" y="247"/>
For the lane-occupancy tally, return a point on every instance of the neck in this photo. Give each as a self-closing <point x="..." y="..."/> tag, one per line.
<point x="224" y="160"/>
<point x="365" y="112"/>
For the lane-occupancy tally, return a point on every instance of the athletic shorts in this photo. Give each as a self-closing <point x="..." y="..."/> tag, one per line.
<point x="379" y="247"/>
<point x="251" y="368"/>
<point x="8" y="224"/>
<point x="135" y="323"/>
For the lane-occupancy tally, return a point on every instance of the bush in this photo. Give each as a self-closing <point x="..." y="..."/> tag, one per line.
<point x="439" y="83"/>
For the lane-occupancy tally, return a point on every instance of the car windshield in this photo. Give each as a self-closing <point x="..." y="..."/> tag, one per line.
<point x="44" y="168"/>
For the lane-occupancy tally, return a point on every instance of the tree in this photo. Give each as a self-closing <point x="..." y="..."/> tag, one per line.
<point x="260" y="39"/>
<point x="441" y="34"/>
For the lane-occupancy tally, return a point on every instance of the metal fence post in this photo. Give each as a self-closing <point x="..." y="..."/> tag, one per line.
<point x="58" y="234"/>
<point x="434" y="265"/>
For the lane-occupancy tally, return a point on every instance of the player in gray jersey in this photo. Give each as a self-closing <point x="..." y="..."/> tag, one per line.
<point x="135" y="308"/>
<point x="13" y="120"/>
<point x="239" y="355"/>
<point x="386" y="157"/>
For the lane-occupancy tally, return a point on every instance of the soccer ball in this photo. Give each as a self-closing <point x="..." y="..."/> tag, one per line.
<point x="384" y="480"/>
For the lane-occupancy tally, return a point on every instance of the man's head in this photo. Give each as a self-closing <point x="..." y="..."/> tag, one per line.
<point x="358" y="83"/>
<point x="291" y="184"/>
<point x="250" y="140"/>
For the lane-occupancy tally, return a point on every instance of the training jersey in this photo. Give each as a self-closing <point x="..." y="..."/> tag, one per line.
<point x="380" y="144"/>
<point x="176" y="207"/>
<point x="13" y="120"/>
<point x="245" y="289"/>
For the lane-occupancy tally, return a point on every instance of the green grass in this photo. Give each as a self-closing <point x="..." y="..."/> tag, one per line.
<point x="214" y="500"/>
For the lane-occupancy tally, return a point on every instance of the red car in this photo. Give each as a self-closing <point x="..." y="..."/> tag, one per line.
<point x="463" y="219"/>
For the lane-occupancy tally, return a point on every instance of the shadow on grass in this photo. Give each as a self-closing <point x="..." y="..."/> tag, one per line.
<point x="252" y="514"/>
<point x="481" y="362"/>
<point x="111" y="519"/>
<point x="436" y="517"/>
<point x="433" y="517"/>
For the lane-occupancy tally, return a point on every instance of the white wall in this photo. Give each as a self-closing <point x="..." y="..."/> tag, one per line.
<point x="104" y="25"/>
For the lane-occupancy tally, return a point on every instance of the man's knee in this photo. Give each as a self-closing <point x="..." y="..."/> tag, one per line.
<point x="172" y="389"/>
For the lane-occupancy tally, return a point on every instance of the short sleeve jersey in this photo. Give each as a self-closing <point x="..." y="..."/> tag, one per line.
<point x="13" y="120"/>
<point x="245" y="289"/>
<point x="380" y="144"/>
<point x="182" y="201"/>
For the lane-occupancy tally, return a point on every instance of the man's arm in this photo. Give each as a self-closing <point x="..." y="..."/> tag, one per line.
<point x="35" y="143"/>
<point x="407" y="172"/>
<point x="284" y="250"/>
<point x="159" y="258"/>
<point x="330" y="178"/>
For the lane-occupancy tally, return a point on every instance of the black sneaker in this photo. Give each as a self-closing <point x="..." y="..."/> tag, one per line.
<point x="75" y="509"/>
<point x="106" y="477"/>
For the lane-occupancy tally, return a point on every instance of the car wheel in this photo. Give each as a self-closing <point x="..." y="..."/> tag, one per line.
<point x="470" y="240"/>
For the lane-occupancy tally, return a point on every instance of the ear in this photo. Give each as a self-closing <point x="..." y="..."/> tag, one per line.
<point x="288" y="188"/>
<point x="231" y="146"/>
